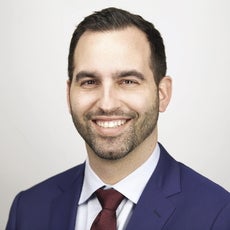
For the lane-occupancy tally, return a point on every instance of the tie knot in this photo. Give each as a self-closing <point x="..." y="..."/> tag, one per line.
<point x="109" y="198"/>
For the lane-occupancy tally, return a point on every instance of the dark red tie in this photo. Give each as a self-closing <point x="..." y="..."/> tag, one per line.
<point x="106" y="219"/>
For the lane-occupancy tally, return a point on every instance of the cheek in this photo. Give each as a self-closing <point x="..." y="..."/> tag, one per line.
<point x="81" y="102"/>
<point x="137" y="103"/>
<point x="141" y="101"/>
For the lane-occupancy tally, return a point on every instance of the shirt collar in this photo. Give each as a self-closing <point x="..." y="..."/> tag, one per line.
<point x="131" y="186"/>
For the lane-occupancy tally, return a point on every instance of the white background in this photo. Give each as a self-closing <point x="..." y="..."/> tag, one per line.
<point x="37" y="138"/>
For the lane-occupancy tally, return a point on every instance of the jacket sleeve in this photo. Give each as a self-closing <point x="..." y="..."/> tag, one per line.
<point x="12" y="221"/>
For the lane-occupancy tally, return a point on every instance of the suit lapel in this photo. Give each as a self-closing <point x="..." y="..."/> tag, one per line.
<point x="64" y="207"/>
<point x="154" y="208"/>
<point x="151" y="213"/>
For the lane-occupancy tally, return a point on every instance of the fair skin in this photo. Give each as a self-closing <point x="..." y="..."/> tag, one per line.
<point x="115" y="102"/>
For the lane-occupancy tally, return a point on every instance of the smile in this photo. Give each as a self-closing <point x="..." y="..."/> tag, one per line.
<point x="110" y="124"/>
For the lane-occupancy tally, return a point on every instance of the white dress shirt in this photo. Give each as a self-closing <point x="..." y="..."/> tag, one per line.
<point x="131" y="187"/>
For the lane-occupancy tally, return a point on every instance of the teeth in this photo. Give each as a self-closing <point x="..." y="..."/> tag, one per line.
<point x="110" y="124"/>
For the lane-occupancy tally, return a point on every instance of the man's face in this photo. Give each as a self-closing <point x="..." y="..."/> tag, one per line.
<point x="113" y="97"/>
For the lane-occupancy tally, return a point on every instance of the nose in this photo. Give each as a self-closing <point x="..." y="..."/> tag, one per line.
<point x="108" y="100"/>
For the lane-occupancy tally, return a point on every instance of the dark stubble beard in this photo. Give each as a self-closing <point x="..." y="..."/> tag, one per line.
<point x="114" y="148"/>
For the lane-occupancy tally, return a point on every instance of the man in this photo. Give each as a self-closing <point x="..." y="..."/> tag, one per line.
<point x="117" y="86"/>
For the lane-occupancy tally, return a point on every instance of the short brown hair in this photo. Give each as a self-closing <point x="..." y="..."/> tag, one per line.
<point x="114" y="19"/>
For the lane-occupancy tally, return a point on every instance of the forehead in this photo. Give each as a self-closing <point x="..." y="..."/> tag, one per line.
<point x="112" y="49"/>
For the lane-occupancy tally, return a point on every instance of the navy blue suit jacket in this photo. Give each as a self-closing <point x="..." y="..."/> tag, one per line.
<point x="175" y="198"/>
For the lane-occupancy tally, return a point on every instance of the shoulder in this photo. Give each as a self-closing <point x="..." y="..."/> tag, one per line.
<point x="193" y="189"/>
<point x="33" y="206"/>
<point x="195" y="195"/>
<point x="190" y="180"/>
<point x="197" y="184"/>
<point x="202" y="195"/>
<point x="57" y="183"/>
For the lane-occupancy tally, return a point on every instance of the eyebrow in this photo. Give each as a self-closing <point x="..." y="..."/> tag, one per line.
<point x="85" y="74"/>
<point x="118" y="74"/>
<point x="129" y="73"/>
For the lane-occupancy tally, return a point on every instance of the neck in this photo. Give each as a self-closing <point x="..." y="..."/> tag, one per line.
<point x="113" y="171"/>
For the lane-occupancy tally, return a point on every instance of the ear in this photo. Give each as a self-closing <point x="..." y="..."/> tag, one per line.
<point x="165" y="92"/>
<point x="68" y="85"/>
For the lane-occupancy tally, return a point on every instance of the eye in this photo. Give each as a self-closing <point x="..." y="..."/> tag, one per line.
<point x="128" y="82"/>
<point x="89" y="83"/>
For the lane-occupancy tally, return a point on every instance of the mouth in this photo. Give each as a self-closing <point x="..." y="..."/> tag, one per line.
<point x="110" y="124"/>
